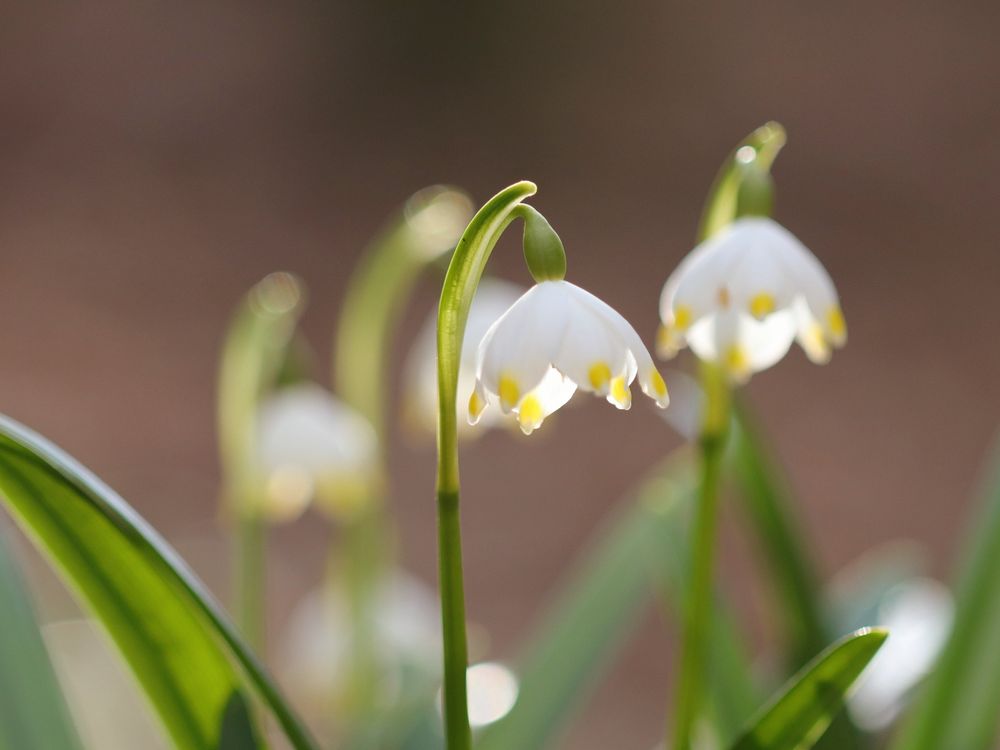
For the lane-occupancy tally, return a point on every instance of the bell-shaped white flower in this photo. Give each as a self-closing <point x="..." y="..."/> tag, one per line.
<point x="420" y="373"/>
<point x="554" y="339"/>
<point x="315" y="653"/>
<point x="311" y="445"/>
<point x="743" y="296"/>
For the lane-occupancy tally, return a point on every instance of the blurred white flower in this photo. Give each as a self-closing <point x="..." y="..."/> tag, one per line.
<point x="491" y="301"/>
<point x="316" y="649"/>
<point x="918" y="615"/>
<point x="556" y="338"/>
<point x="310" y="445"/>
<point x="743" y="296"/>
<point x="492" y="692"/>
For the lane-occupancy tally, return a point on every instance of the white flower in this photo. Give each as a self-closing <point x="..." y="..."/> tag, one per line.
<point x="491" y="301"/>
<point x="556" y="338"/>
<point x="918" y="615"/>
<point x="309" y="444"/>
<point x="406" y="639"/>
<point x="741" y="297"/>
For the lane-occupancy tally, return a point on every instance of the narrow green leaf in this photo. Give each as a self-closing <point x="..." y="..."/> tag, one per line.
<point x="792" y="571"/>
<point x="960" y="703"/>
<point x="174" y="636"/>
<point x="799" y="715"/>
<point x="33" y="713"/>
<point x="635" y="558"/>
<point x="586" y="623"/>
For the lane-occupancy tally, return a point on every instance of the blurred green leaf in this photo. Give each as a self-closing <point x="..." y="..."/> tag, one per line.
<point x="174" y="636"/>
<point x="630" y="563"/>
<point x="33" y="713"/>
<point x="798" y="716"/>
<point x="959" y="706"/>
<point x="792" y="572"/>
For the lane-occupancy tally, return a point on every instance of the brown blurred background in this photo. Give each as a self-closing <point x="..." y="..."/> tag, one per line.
<point x="157" y="159"/>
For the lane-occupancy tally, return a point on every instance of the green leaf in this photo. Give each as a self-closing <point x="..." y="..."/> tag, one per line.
<point x="959" y="706"/>
<point x="33" y="713"/>
<point x="634" y="559"/>
<point x="799" y="715"/>
<point x="792" y="572"/>
<point x="174" y="636"/>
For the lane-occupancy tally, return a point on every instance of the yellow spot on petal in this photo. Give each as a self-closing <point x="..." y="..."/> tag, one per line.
<point x="620" y="395"/>
<point x="509" y="392"/>
<point x="814" y="344"/>
<point x="723" y="297"/>
<point x="683" y="317"/>
<point x="476" y="405"/>
<point x="658" y="385"/>
<point x="530" y="414"/>
<point x="599" y="376"/>
<point x="736" y="361"/>
<point x="837" y="325"/>
<point x="762" y="304"/>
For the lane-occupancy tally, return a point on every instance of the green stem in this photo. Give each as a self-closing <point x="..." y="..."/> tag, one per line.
<point x="376" y="297"/>
<point x="456" y="657"/>
<point x="250" y="541"/>
<point x="460" y="284"/>
<point x="698" y="601"/>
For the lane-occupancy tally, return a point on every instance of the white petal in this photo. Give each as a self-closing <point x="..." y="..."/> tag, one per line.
<point x="638" y="362"/>
<point x="307" y="425"/>
<point x="308" y="440"/>
<point x="517" y="350"/>
<point x="699" y="283"/>
<point x="548" y="396"/>
<point x="420" y="372"/>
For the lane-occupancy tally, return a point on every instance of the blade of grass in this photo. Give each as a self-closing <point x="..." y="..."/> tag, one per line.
<point x="959" y="706"/>
<point x="799" y="715"/>
<point x="633" y="560"/>
<point x="792" y="571"/>
<point x="178" y="642"/>
<point x="33" y="712"/>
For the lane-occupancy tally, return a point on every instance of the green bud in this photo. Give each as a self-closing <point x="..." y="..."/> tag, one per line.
<point x="543" y="250"/>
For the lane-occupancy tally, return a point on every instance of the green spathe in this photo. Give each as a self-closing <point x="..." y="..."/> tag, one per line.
<point x="543" y="250"/>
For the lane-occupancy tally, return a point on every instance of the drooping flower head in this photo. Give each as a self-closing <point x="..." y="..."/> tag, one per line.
<point x="743" y="296"/>
<point x="492" y="300"/>
<point x="554" y="339"/>
<point x="311" y="445"/>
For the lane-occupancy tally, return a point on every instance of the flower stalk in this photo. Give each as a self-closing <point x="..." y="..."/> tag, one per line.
<point x="376" y="297"/>
<point x="743" y="187"/>
<point x="462" y="279"/>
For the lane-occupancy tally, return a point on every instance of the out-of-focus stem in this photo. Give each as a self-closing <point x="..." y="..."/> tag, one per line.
<point x="698" y="599"/>
<point x="249" y="566"/>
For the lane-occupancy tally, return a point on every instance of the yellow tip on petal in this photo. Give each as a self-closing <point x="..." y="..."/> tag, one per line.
<point x="762" y="304"/>
<point x="620" y="395"/>
<point x="599" y="376"/>
<point x="837" y="326"/>
<point x="659" y="387"/>
<point x="814" y="344"/>
<point x="509" y="392"/>
<point x="476" y="405"/>
<point x="530" y="414"/>
<point x="737" y="363"/>
<point x="683" y="317"/>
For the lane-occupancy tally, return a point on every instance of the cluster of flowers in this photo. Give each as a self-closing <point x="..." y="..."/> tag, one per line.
<point x="739" y="300"/>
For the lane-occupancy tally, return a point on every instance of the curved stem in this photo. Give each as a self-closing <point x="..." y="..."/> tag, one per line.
<point x="376" y="296"/>
<point x="460" y="284"/>
<point x="698" y="600"/>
